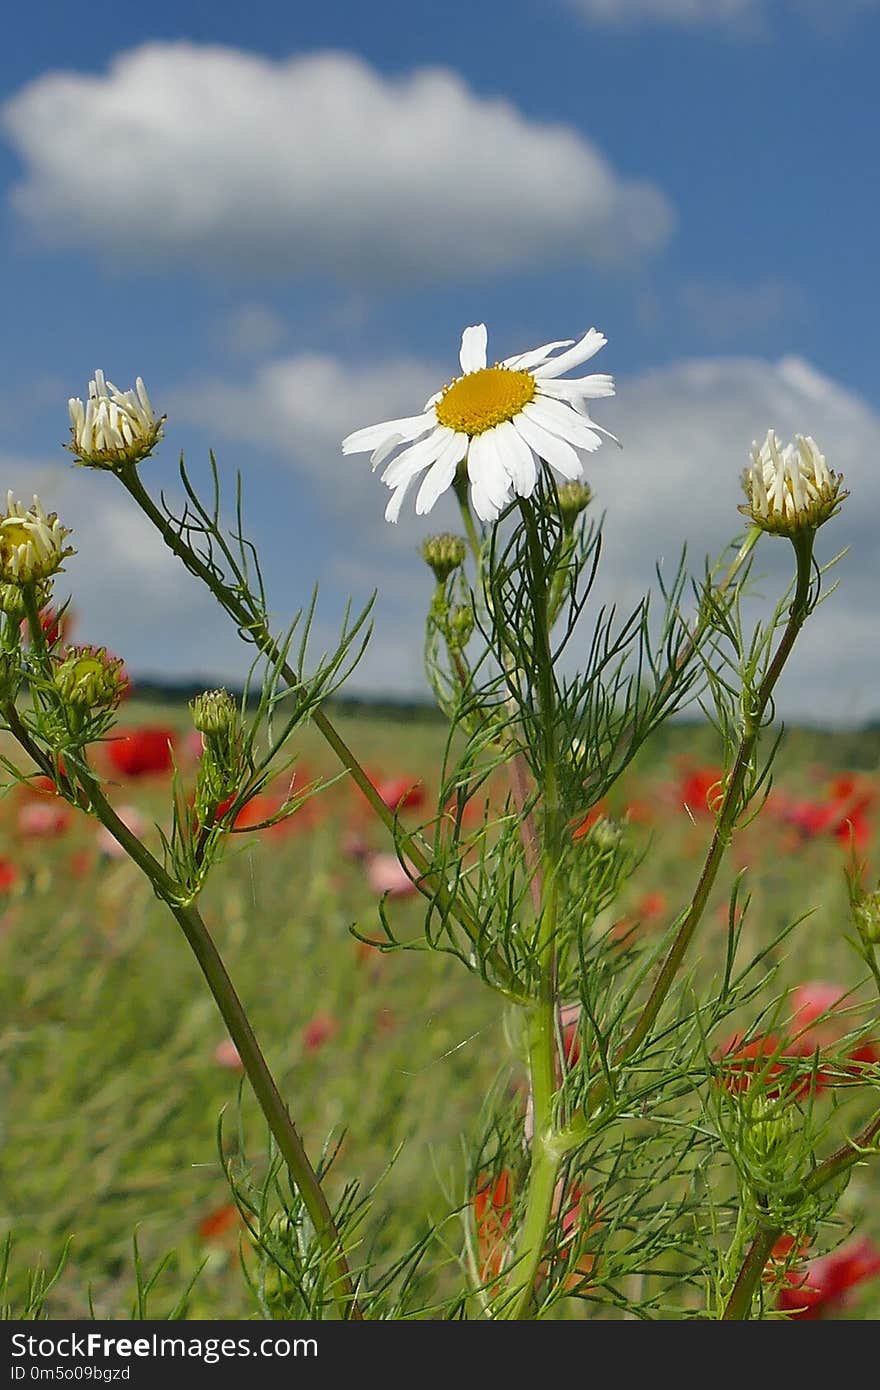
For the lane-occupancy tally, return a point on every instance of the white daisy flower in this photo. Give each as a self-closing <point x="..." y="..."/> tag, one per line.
<point x="113" y="427"/>
<point x="505" y="420"/>
<point x="790" y="489"/>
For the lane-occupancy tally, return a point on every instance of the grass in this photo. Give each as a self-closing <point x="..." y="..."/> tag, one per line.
<point x="111" y="1087"/>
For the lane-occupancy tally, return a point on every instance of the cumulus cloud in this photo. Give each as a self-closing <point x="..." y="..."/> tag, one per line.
<point x="318" y="164"/>
<point x="686" y="431"/>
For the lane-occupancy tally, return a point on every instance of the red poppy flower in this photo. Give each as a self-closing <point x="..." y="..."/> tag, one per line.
<point x="142" y="752"/>
<point x="398" y="792"/>
<point x="8" y="875"/>
<point x="220" y="1223"/>
<point x="593" y="815"/>
<point x="493" y="1211"/>
<point x="700" y="790"/>
<point x="826" y="1281"/>
<point x="318" y="1031"/>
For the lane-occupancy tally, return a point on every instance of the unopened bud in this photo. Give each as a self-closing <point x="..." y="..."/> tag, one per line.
<point x="460" y="626"/>
<point x="90" y="678"/>
<point x="444" y="554"/>
<point x="214" y="713"/>
<point x="573" y="498"/>
<point x="866" y="915"/>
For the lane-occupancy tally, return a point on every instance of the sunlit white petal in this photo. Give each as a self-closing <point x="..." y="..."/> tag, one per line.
<point x="473" y="348"/>
<point x="582" y="351"/>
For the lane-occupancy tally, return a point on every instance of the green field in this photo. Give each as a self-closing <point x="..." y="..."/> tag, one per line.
<point x="111" y="1090"/>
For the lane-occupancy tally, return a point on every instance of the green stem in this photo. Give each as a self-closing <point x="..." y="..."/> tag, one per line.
<point x="460" y="487"/>
<point x="546" y="1155"/>
<point x="250" y="621"/>
<point x="731" y="804"/>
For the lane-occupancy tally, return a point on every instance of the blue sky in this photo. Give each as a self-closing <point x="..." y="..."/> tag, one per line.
<point x="282" y="216"/>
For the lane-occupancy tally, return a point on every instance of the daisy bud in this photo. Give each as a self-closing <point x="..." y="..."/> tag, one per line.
<point x="12" y="602"/>
<point x="573" y="499"/>
<point x="114" y="427"/>
<point x="444" y="554"/>
<point x="90" y="678"/>
<point x="790" y="489"/>
<point x="214" y="713"/>
<point x="10" y="676"/>
<point x="606" y="834"/>
<point x="766" y="1136"/>
<point x="459" y="626"/>
<point x="31" y="543"/>
<point x="866" y="915"/>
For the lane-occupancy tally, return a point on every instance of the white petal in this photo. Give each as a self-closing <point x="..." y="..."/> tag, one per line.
<point x="487" y="472"/>
<point x="518" y="458"/>
<point x="582" y="351"/>
<point x="549" y="447"/>
<point x="562" y="420"/>
<point x="395" y="502"/>
<point x="381" y="454"/>
<point x="441" y="473"/>
<point x="524" y="360"/>
<point x="587" y="388"/>
<point x="473" y="348"/>
<point x="416" y="457"/>
<point x="365" y="440"/>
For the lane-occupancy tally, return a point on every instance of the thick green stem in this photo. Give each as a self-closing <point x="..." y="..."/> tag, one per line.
<point x="546" y="1156"/>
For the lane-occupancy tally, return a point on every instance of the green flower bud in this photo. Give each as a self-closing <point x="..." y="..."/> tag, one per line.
<point x="444" y="554"/>
<point x="215" y="713"/>
<point x="573" y="499"/>
<point x="606" y="834"/>
<point x="460" y="626"/>
<point x="12" y="602"/>
<point x="866" y="915"/>
<point x="90" y="678"/>
<point x="766" y="1136"/>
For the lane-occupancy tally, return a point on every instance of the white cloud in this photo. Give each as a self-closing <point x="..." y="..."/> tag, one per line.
<point x="686" y="12"/>
<point x="317" y="164"/>
<point x="686" y="431"/>
<point x="748" y="16"/>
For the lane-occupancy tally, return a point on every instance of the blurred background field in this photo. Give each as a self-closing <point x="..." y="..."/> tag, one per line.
<point x="114" y="1064"/>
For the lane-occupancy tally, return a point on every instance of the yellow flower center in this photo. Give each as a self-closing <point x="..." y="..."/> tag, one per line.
<point x="481" y="400"/>
<point x="13" y="534"/>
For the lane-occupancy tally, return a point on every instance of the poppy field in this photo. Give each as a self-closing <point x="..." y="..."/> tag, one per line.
<point x="122" y="1093"/>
